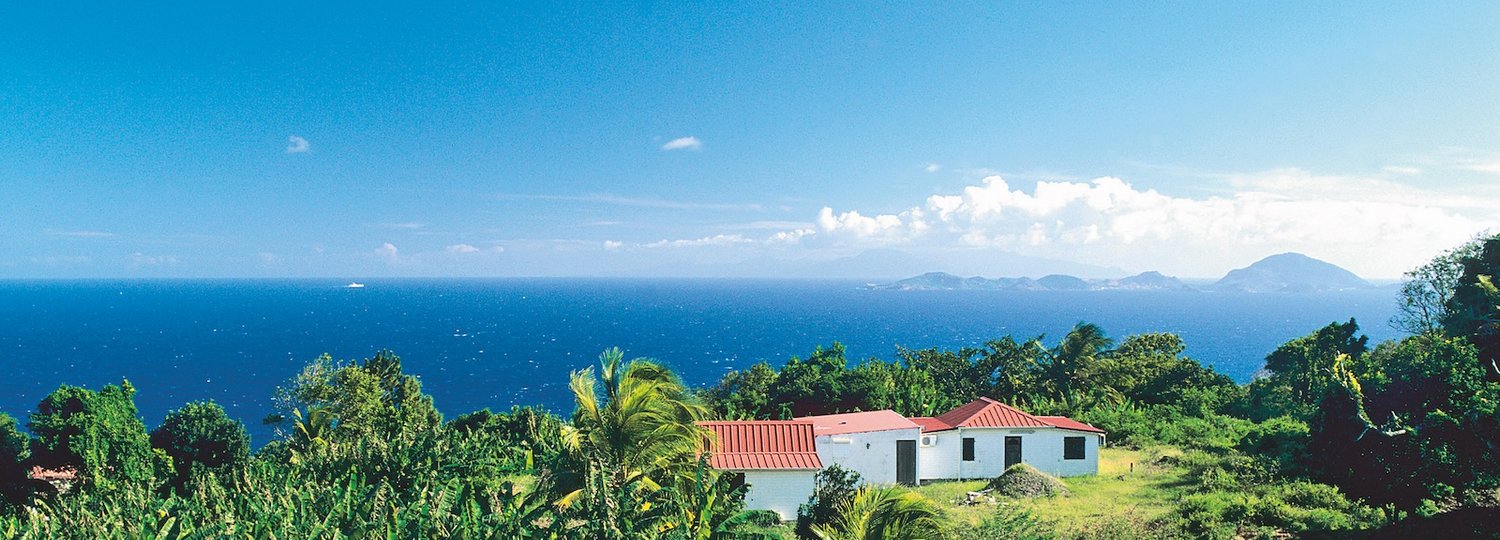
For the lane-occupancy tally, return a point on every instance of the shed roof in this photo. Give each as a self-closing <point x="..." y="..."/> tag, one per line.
<point x="859" y="422"/>
<point x="762" y="444"/>
<point x="1069" y="423"/>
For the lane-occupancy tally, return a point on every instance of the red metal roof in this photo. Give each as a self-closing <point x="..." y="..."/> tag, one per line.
<point x="1069" y="423"/>
<point x="859" y="422"/>
<point x="986" y="412"/>
<point x="930" y="424"/>
<point x="762" y="444"/>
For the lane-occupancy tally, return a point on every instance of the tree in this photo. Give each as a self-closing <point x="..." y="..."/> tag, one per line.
<point x="625" y="441"/>
<point x="1473" y="311"/>
<point x="1298" y="371"/>
<point x="1061" y="367"/>
<point x="95" y="433"/>
<point x="372" y="402"/>
<point x="1427" y="290"/>
<point x="1013" y="366"/>
<point x="14" y="488"/>
<point x="745" y="394"/>
<point x="200" y="438"/>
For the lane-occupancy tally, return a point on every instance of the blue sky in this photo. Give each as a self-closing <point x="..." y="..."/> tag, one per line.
<point x="358" y="139"/>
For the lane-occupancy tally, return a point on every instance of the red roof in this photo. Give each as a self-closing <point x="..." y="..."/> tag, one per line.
<point x="859" y="422"/>
<point x="1069" y="423"/>
<point x="986" y="412"/>
<point x="929" y="423"/>
<point x="762" y="444"/>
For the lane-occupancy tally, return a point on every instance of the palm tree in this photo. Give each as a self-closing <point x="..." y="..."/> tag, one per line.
<point x="885" y="513"/>
<point x="1062" y="365"/>
<point x="626" y="440"/>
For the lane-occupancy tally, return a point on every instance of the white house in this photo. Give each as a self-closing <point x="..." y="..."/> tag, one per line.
<point x="776" y="458"/>
<point x="879" y="445"/>
<point x="983" y="437"/>
<point x="780" y="458"/>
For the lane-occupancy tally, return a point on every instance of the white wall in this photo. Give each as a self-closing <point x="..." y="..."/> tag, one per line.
<point x="871" y="454"/>
<point x="1041" y="448"/>
<point x="940" y="461"/>
<point x="780" y="491"/>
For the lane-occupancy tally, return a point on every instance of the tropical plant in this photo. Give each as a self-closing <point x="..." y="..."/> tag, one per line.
<point x="885" y="513"/>
<point x="626" y="439"/>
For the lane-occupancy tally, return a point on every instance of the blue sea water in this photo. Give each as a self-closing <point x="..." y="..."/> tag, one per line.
<point x="496" y="342"/>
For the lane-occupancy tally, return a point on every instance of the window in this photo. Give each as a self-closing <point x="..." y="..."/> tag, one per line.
<point x="1073" y="447"/>
<point x="968" y="449"/>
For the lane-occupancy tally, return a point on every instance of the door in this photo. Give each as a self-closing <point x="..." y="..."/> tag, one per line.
<point x="1012" y="450"/>
<point x="906" y="462"/>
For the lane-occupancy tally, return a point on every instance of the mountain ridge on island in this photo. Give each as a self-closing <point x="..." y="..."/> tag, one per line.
<point x="1284" y="272"/>
<point x="1289" y="272"/>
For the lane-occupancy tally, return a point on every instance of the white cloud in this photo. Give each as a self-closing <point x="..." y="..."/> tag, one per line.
<point x="388" y="252"/>
<point x="643" y="202"/>
<point x="1375" y="227"/>
<point x="932" y="167"/>
<point x="268" y="259"/>
<point x="790" y="237"/>
<point x="1403" y="170"/>
<point x="297" y="145"/>
<point x="683" y="143"/>
<point x="140" y="259"/>
<point x="82" y="234"/>
<point x="408" y="226"/>
<point x="716" y="240"/>
<point x="461" y="249"/>
<point x="613" y="245"/>
<point x="1492" y="167"/>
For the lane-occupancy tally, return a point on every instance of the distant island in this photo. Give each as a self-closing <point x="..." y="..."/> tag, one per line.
<point x="1285" y="272"/>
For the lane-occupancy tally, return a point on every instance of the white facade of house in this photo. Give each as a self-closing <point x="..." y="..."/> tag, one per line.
<point x="872" y="454"/>
<point x="942" y="457"/>
<point x="780" y="491"/>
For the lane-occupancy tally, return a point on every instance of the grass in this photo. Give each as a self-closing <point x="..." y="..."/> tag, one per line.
<point x="1147" y="492"/>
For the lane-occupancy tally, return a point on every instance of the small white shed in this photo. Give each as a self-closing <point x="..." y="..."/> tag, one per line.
<point x="777" y="459"/>
<point x="879" y="445"/>
<point x="983" y="437"/>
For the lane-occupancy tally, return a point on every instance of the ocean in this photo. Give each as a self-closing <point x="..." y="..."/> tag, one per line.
<point x="479" y="343"/>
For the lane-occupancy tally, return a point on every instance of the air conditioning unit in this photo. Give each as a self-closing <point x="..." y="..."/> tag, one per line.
<point x="929" y="440"/>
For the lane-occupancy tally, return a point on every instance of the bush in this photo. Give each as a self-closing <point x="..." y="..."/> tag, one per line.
<point x="835" y="487"/>
<point x="1024" y="481"/>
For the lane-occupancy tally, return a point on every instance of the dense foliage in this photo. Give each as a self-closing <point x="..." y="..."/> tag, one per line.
<point x="1336" y="434"/>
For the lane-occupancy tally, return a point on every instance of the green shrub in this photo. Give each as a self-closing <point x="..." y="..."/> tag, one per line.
<point x="200" y="439"/>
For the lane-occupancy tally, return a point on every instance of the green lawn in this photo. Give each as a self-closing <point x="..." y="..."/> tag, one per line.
<point x="1148" y="491"/>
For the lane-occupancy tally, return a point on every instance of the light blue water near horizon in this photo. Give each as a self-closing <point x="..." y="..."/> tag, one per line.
<point x="480" y="343"/>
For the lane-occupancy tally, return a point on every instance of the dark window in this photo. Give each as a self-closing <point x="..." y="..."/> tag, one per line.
<point x="1072" y="447"/>
<point x="968" y="449"/>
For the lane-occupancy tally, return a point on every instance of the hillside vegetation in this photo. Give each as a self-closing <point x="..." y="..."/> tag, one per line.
<point x="1337" y="438"/>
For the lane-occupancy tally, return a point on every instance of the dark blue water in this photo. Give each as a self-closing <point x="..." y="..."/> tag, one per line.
<point x="493" y="343"/>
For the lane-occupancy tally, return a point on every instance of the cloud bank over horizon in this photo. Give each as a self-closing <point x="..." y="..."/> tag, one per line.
<point x="1374" y="227"/>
